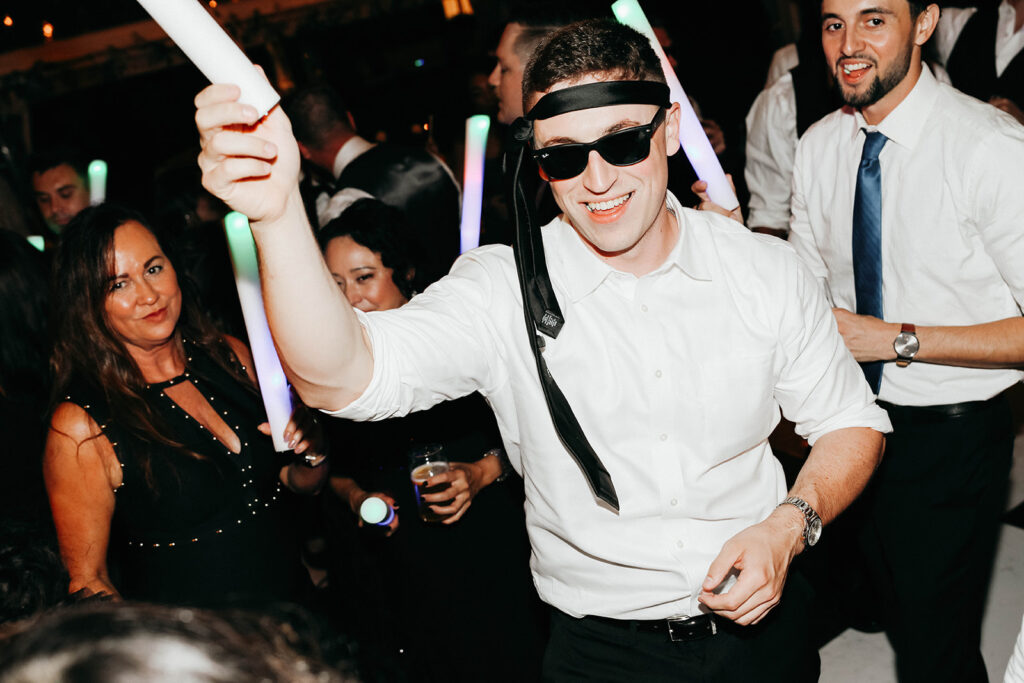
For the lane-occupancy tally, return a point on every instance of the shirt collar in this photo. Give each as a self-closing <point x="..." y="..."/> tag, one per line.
<point x="352" y="148"/>
<point x="905" y="124"/>
<point x="584" y="271"/>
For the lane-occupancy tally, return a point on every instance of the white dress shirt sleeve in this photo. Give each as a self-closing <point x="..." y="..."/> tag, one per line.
<point x="997" y="207"/>
<point x="441" y="345"/>
<point x="821" y="388"/>
<point x="801" y="237"/>
<point x="771" y="145"/>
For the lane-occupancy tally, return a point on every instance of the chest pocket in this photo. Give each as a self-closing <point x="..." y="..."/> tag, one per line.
<point x="737" y="405"/>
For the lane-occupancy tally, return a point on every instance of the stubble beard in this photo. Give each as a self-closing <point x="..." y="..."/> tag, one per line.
<point x="881" y="85"/>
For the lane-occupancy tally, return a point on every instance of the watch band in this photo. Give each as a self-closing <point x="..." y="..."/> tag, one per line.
<point x="812" y="522"/>
<point x="906" y="345"/>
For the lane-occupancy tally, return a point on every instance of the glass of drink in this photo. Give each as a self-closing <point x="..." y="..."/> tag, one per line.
<point x="425" y="463"/>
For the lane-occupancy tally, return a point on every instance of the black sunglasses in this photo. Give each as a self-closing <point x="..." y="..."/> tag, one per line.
<point x="621" y="148"/>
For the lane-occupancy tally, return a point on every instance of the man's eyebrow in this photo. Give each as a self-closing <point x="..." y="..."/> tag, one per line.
<point x="69" y="186"/>
<point x="614" y="128"/>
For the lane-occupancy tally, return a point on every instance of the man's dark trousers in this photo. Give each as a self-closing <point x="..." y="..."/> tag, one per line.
<point x="934" y="509"/>
<point x="779" y="648"/>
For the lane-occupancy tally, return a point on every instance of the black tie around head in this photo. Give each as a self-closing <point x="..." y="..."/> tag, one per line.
<point x="540" y="307"/>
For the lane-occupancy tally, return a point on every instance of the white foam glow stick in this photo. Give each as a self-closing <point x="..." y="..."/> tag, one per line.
<point x="213" y="52"/>
<point x="695" y="142"/>
<point x="273" y="385"/>
<point x="473" y="181"/>
<point x="97" y="181"/>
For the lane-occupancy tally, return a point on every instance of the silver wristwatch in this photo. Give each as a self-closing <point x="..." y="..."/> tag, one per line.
<point x="906" y="345"/>
<point x="812" y="522"/>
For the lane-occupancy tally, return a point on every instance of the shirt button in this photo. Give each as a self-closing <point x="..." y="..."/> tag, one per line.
<point x="674" y="501"/>
<point x="643" y="307"/>
<point x="657" y="373"/>
<point x="663" y="437"/>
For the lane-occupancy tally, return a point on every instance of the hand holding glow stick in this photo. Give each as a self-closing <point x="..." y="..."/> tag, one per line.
<point x="213" y="52"/>
<point x="97" y="182"/>
<point x="473" y="181"/>
<point x="273" y="385"/>
<point x="695" y="142"/>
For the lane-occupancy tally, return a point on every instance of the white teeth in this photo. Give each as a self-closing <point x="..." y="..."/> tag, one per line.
<point x="610" y="204"/>
<point x="848" y="68"/>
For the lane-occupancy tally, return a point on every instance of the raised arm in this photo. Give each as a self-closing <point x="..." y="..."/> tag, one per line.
<point x="252" y="165"/>
<point x="81" y="472"/>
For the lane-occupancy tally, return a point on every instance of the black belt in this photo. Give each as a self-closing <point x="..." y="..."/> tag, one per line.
<point x="940" y="412"/>
<point x="677" y="629"/>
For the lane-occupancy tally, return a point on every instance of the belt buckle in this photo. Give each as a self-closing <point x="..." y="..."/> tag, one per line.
<point x="680" y="629"/>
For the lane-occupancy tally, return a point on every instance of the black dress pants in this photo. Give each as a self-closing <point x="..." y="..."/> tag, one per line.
<point x="933" y="511"/>
<point x="779" y="648"/>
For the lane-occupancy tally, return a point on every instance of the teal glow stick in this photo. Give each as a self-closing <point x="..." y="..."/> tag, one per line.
<point x="37" y="242"/>
<point x="473" y="181"/>
<point x="97" y="181"/>
<point x="273" y="384"/>
<point x="694" y="141"/>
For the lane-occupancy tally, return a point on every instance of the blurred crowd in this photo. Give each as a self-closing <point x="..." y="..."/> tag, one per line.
<point x="147" y="525"/>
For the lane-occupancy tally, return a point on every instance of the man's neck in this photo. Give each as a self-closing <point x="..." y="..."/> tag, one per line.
<point x="874" y="114"/>
<point x="1018" y="8"/>
<point x="325" y="156"/>
<point x="650" y="252"/>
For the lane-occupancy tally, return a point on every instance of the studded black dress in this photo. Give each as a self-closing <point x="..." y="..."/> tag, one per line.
<point x="212" y="530"/>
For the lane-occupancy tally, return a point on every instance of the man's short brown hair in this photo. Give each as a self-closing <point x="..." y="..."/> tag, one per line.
<point x="593" y="46"/>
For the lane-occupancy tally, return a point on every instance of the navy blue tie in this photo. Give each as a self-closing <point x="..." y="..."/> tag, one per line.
<point x="867" y="241"/>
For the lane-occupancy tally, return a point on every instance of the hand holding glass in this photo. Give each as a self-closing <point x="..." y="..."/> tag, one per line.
<point x="425" y="463"/>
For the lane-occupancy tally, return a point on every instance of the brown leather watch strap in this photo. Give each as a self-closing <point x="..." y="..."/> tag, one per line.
<point x="911" y="329"/>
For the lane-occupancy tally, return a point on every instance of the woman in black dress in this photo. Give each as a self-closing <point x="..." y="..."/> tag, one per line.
<point x="156" y="456"/>
<point x="439" y="601"/>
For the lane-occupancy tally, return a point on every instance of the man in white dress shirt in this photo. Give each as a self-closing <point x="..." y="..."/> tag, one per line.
<point x="909" y="204"/>
<point x="683" y="335"/>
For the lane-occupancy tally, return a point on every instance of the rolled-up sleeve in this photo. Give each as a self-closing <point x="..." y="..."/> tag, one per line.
<point x="821" y="388"/>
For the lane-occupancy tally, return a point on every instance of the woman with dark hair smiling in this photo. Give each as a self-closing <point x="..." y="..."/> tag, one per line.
<point x="156" y="453"/>
<point x="453" y="561"/>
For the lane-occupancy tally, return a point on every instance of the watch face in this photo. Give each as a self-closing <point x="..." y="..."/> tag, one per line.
<point x="813" y="532"/>
<point x="906" y="345"/>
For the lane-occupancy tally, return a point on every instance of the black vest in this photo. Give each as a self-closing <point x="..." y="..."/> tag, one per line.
<point x="972" y="64"/>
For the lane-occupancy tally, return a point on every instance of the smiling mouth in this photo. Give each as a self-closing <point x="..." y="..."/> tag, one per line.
<point x="156" y="315"/>
<point x="596" y="207"/>
<point x="854" y="70"/>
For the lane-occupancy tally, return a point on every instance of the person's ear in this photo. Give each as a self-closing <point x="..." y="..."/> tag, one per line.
<point x="926" y="23"/>
<point x="672" y="129"/>
<point x="304" y="151"/>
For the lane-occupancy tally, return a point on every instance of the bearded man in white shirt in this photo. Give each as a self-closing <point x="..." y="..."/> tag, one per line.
<point x="908" y="203"/>
<point x="683" y="335"/>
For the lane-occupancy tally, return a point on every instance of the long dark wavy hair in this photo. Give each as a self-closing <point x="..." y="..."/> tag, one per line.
<point x="87" y="351"/>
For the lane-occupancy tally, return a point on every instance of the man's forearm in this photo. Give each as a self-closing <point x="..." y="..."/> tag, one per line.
<point x="998" y="344"/>
<point x="322" y="345"/>
<point x="837" y="470"/>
